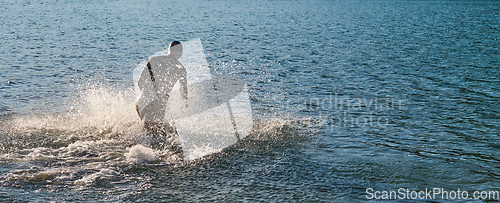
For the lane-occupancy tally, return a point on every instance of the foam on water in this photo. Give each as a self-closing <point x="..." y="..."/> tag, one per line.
<point x="141" y="154"/>
<point x="91" y="144"/>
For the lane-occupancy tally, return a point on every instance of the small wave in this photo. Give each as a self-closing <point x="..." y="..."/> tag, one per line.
<point x="97" y="178"/>
<point x="40" y="154"/>
<point x="275" y="129"/>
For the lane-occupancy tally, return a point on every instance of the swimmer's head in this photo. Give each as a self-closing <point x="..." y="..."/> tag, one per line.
<point x="175" y="49"/>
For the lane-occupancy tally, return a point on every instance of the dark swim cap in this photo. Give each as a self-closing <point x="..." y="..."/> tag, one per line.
<point x="174" y="43"/>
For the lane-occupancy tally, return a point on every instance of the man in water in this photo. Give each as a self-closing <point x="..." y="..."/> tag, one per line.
<point x="156" y="81"/>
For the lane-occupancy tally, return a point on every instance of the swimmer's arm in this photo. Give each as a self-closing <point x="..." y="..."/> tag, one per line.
<point x="143" y="77"/>
<point x="183" y="83"/>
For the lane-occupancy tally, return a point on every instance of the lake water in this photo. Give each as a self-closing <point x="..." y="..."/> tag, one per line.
<point x="346" y="96"/>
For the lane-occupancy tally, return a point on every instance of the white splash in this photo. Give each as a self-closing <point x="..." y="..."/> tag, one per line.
<point x="100" y="111"/>
<point x="140" y="154"/>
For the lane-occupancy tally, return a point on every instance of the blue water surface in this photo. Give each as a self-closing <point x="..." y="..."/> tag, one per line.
<point x="346" y="96"/>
